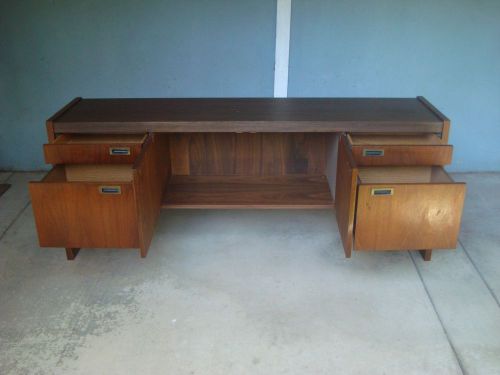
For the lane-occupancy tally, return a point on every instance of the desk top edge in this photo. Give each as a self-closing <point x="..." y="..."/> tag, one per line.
<point x="248" y="114"/>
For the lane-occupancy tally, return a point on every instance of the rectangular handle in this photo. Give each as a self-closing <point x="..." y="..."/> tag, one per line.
<point x="119" y="150"/>
<point x="110" y="189"/>
<point x="382" y="191"/>
<point x="372" y="152"/>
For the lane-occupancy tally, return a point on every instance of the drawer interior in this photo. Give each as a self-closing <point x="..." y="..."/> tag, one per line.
<point x="100" y="139"/>
<point x="394" y="175"/>
<point x="90" y="173"/>
<point x="394" y="140"/>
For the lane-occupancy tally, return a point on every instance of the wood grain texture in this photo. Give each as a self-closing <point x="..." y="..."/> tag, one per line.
<point x="179" y="154"/>
<point x="345" y="195"/>
<point x="248" y="115"/>
<point x="151" y="173"/>
<point x="76" y="214"/>
<point x="248" y="154"/>
<point x="416" y="216"/>
<point x="69" y="149"/>
<point x="248" y="192"/>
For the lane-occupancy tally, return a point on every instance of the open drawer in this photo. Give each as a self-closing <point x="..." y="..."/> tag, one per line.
<point x="94" y="148"/>
<point x="102" y="205"/>
<point x="75" y="208"/>
<point x="396" y="208"/>
<point x="410" y="149"/>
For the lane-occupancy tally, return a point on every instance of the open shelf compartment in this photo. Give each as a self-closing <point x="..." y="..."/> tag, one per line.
<point x="225" y="192"/>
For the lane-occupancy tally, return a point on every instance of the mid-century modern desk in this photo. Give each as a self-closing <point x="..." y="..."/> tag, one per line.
<point x="377" y="162"/>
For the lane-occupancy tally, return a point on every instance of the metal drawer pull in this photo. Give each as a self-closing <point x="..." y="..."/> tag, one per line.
<point x="382" y="191"/>
<point x="119" y="150"/>
<point x="110" y="189"/>
<point x="369" y="152"/>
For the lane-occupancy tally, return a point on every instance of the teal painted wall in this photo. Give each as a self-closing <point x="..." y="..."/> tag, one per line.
<point x="445" y="50"/>
<point x="54" y="50"/>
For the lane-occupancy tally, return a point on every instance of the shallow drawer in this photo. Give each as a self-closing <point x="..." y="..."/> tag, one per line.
<point x="78" y="209"/>
<point x="94" y="148"/>
<point x="407" y="208"/>
<point x="414" y="149"/>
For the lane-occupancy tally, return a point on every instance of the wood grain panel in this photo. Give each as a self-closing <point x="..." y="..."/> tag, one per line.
<point x="304" y="153"/>
<point x="345" y="195"/>
<point x="416" y="216"/>
<point x="76" y="214"/>
<point x="179" y="154"/>
<point x="248" y="192"/>
<point x="273" y="162"/>
<point x="151" y="173"/>
<point x="248" y="154"/>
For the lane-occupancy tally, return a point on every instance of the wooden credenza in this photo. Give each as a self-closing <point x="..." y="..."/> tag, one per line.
<point x="118" y="162"/>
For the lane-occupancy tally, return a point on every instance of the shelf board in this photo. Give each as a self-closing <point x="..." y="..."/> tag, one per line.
<point x="224" y="192"/>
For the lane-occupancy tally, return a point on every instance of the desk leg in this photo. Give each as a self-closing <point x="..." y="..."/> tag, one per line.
<point x="71" y="252"/>
<point x="144" y="252"/>
<point x="426" y="254"/>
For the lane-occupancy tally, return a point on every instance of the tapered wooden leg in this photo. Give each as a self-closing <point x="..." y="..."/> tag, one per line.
<point x="144" y="252"/>
<point x="426" y="254"/>
<point x="71" y="252"/>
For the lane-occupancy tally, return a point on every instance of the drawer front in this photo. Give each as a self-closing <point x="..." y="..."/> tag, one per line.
<point x="90" y="153"/>
<point x="408" y="216"/>
<point x="84" y="214"/>
<point x="373" y="155"/>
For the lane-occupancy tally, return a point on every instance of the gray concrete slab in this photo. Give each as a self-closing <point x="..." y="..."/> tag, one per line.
<point x="4" y="176"/>
<point x="232" y="292"/>
<point x="469" y="313"/>
<point x="480" y="234"/>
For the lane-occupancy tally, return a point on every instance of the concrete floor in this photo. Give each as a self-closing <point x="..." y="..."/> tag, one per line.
<point x="250" y="292"/>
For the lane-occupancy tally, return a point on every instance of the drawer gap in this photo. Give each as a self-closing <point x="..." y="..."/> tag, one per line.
<point x="405" y="175"/>
<point x="112" y="139"/>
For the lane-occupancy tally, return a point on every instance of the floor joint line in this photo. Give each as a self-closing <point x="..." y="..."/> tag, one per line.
<point x="457" y="357"/>
<point x="480" y="274"/>
<point x="14" y="220"/>
<point x="8" y="178"/>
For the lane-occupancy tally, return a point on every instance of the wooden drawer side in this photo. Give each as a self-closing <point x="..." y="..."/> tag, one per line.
<point x="345" y="195"/>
